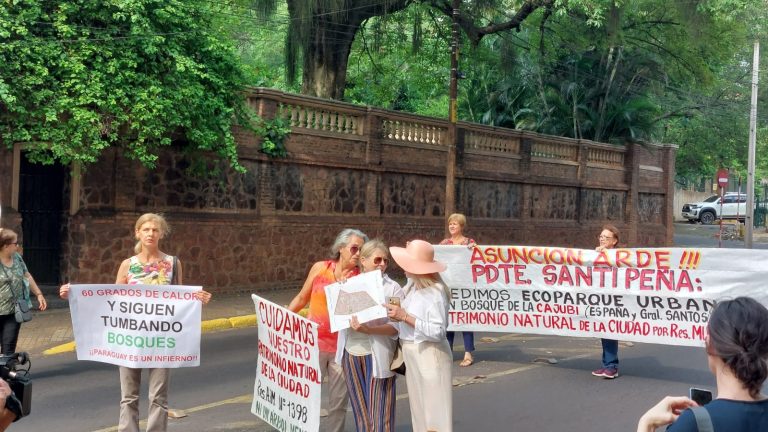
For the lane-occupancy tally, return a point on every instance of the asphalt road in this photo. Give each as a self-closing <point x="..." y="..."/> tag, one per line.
<point x="513" y="385"/>
<point x="508" y="389"/>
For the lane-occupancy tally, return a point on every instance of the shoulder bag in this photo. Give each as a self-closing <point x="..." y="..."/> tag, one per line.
<point x="703" y="420"/>
<point x="21" y="309"/>
<point x="398" y="361"/>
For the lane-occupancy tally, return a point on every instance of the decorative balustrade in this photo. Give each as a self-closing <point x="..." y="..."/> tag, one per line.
<point x="605" y="156"/>
<point x="555" y="150"/>
<point x="490" y="142"/>
<point x="315" y="118"/>
<point x="413" y="132"/>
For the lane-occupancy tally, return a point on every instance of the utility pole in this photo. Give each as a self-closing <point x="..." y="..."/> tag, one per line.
<point x="450" y="171"/>
<point x="752" y="140"/>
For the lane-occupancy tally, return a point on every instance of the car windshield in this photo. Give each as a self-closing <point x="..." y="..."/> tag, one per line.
<point x="713" y="198"/>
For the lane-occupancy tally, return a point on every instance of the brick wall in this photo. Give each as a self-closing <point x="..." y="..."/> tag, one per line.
<point x="350" y="166"/>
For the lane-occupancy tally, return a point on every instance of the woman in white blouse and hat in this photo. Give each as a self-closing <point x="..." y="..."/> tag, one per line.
<point x="423" y="320"/>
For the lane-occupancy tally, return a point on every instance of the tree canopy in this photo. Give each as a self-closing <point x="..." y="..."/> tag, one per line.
<point x="77" y="76"/>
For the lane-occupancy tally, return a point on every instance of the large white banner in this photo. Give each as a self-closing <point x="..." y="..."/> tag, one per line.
<point x="286" y="393"/>
<point x="661" y="295"/>
<point x="137" y="326"/>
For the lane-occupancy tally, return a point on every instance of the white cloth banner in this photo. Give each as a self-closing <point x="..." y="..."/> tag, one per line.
<point x="660" y="296"/>
<point x="137" y="326"/>
<point x="286" y="393"/>
<point x="361" y="296"/>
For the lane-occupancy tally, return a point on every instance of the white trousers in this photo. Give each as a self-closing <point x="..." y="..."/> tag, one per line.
<point x="430" y="388"/>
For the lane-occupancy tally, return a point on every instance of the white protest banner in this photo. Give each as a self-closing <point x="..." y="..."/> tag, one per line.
<point x="660" y="296"/>
<point x="137" y="326"/>
<point x="286" y="393"/>
<point x="362" y="296"/>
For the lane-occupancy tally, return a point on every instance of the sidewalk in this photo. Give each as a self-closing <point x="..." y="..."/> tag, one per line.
<point x="53" y="327"/>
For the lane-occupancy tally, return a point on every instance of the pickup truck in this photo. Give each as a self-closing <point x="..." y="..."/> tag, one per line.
<point x="708" y="211"/>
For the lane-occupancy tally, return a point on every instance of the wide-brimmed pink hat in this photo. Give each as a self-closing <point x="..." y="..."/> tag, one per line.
<point x="417" y="257"/>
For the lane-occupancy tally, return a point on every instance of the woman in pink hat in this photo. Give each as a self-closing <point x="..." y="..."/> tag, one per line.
<point x="423" y="320"/>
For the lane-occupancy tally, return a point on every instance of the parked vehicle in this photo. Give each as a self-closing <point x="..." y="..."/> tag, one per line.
<point x="708" y="211"/>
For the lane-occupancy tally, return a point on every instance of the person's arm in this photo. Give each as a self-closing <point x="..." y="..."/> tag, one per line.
<point x="663" y="413"/>
<point x="36" y="291"/>
<point x="64" y="291"/>
<point x="432" y="328"/>
<point x="122" y="272"/>
<point x="302" y="298"/>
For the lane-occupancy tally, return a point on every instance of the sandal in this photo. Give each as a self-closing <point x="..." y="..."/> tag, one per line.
<point x="466" y="362"/>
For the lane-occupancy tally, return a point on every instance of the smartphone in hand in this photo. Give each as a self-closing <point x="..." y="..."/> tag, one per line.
<point x="700" y="396"/>
<point x="393" y="301"/>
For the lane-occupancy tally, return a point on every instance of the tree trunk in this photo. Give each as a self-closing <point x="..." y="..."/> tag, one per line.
<point x="325" y="59"/>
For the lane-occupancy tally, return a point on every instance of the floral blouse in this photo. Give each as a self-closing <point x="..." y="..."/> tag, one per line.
<point x="156" y="273"/>
<point x="12" y="284"/>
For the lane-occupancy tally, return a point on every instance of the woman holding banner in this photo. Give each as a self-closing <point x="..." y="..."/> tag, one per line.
<point x="346" y="256"/>
<point x="150" y="266"/>
<point x="737" y="354"/>
<point x="423" y="320"/>
<point x="456" y="224"/>
<point x="608" y="239"/>
<point x="365" y="352"/>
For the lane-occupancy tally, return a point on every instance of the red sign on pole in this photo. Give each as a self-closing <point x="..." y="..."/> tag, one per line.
<point x="722" y="178"/>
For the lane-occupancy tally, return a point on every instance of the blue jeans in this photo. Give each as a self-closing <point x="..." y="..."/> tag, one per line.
<point x="469" y="340"/>
<point x="610" y="353"/>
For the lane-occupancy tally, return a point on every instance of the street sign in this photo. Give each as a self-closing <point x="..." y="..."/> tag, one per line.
<point x="722" y="178"/>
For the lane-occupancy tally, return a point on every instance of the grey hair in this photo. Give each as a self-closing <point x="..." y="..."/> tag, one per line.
<point x="343" y="239"/>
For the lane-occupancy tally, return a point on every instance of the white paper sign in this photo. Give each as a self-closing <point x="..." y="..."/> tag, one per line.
<point x="286" y="393"/>
<point x="660" y="295"/>
<point x="362" y="296"/>
<point x="137" y="326"/>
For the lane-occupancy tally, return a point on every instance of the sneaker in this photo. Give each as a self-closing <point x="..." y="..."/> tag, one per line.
<point x="598" y="372"/>
<point x="610" y="373"/>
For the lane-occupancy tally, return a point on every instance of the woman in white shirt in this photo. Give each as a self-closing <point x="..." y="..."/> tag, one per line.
<point x="365" y="352"/>
<point x="423" y="318"/>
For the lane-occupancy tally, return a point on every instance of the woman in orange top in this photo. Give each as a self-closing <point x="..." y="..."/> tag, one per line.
<point x="346" y="256"/>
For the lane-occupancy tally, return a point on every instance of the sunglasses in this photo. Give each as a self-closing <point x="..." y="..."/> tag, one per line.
<point x="354" y="249"/>
<point x="604" y="238"/>
<point x="379" y="260"/>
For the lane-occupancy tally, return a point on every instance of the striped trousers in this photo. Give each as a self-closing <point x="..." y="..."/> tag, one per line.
<point x="372" y="399"/>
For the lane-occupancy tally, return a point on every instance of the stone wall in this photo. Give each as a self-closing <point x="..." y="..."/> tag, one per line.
<point x="350" y="166"/>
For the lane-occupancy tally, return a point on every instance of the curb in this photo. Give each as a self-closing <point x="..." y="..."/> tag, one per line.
<point x="205" y="327"/>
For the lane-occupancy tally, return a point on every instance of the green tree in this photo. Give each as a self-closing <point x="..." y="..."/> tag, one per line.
<point x="78" y="76"/>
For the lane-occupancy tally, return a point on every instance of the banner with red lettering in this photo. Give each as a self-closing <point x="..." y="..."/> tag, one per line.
<point x="137" y="326"/>
<point x="286" y="393"/>
<point x="659" y="295"/>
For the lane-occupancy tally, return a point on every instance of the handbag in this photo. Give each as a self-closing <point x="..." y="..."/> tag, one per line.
<point x="22" y="312"/>
<point x="398" y="361"/>
<point x="21" y="309"/>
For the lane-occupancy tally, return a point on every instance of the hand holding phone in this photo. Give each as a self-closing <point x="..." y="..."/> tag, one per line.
<point x="700" y="396"/>
<point x="393" y="301"/>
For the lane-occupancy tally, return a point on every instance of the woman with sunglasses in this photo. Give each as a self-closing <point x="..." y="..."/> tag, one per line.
<point x="343" y="265"/>
<point x="365" y="352"/>
<point x="15" y="283"/>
